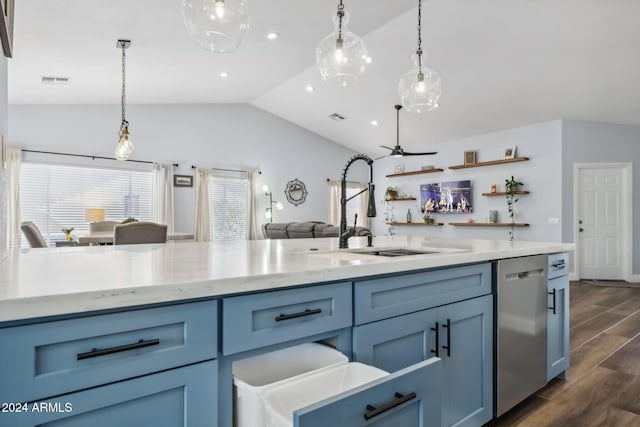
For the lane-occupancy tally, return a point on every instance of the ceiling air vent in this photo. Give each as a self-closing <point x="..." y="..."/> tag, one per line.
<point x="336" y="117"/>
<point x="52" y="80"/>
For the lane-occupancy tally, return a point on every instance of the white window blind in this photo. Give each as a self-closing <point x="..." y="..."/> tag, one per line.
<point x="56" y="196"/>
<point x="228" y="196"/>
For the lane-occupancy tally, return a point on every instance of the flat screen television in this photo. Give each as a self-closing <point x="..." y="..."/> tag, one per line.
<point x="446" y="197"/>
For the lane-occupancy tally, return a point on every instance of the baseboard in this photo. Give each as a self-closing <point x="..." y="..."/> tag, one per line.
<point x="574" y="277"/>
<point x="635" y="278"/>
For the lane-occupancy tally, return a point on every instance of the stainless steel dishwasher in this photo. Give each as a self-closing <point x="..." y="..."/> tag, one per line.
<point x="521" y="325"/>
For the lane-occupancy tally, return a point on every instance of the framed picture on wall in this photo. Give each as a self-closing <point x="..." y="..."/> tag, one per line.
<point x="6" y="26"/>
<point x="183" y="180"/>
<point x="510" y="153"/>
<point x="469" y="157"/>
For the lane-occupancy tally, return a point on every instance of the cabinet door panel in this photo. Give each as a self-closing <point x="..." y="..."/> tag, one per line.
<point x="466" y="338"/>
<point x="393" y="344"/>
<point x="558" y="327"/>
<point x="184" y="397"/>
<point x="349" y="408"/>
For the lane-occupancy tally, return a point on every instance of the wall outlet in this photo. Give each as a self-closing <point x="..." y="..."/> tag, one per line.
<point x="554" y="221"/>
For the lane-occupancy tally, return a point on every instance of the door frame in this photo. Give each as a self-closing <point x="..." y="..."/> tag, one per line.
<point x="626" y="207"/>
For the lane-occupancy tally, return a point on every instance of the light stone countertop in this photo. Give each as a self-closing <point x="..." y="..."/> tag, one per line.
<point x="45" y="282"/>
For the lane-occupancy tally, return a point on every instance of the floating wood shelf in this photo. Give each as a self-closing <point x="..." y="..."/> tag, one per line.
<point x="502" y="193"/>
<point x="424" y="224"/>
<point x="488" y="224"/>
<point x="394" y="175"/>
<point x="493" y="162"/>
<point x="400" y="199"/>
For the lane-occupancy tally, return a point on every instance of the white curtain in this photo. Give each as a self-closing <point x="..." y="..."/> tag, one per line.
<point x="361" y="201"/>
<point x="14" y="161"/>
<point x="252" y="214"/>
<point x="162" y="190"/>
<point x="203" y="224"/>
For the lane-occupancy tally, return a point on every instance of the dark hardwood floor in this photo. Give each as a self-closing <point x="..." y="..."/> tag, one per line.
<point x="602" y="388"/>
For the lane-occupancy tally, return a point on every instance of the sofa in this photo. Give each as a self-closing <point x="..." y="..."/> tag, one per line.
<point x="304" y="230"/>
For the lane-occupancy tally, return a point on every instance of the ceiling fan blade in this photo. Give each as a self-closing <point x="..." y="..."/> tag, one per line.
<point x="421" y="154"/>
<point x="382" y="157"/>
<point x="388" y="148"/>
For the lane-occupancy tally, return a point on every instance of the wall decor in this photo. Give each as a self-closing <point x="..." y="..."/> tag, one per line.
<point x="399" y="169"/>
<point x="183" y="180"/>
<point x="446" y="197"/>
<point x="6" y="27"/>
<point x="296" y="192"/>
<point x="469" y="157"/>
<point x="510" y="153"/>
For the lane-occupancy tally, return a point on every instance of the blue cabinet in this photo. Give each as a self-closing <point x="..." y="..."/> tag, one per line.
<point x="408" y="398"/>
<point x="179" y="397"/>
<point x="558" y="327"/>
<point x="461" y="332"/>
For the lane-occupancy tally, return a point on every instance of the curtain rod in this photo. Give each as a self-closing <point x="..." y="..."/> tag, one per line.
<point x="90" y="157"/>
<point x="227" y="170"/>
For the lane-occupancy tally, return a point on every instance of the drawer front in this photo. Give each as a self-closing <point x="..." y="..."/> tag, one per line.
<point x="558" y="265"/>
<point x="386" y="297"/>
<point x="182" y="397"/>
<point x="259" y="320"/>
<point x="408" y="398"/>
<point x="52" y="358"/>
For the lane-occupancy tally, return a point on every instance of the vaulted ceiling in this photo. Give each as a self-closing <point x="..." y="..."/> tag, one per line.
<point x="503" y="63"/>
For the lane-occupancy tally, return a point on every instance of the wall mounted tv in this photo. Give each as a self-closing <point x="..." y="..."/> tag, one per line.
<point x="446" y="197"/>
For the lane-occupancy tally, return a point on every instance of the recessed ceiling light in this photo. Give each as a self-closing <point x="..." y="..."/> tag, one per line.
<point x="310" y="88"/>
<point x="273" y="35"/>
<point x="374" y="123"/>
<point x="224" y="74"/>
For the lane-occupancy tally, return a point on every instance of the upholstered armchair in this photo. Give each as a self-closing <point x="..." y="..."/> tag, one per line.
<point x="139" y="232"/>
<point x="33" y="235"/>
<point x="99" y="226"/>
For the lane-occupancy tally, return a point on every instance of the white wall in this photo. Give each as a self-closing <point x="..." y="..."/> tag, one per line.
<point x="541" y="176"/>
<point x="600" y="143"/>
<point x="3" y="175"/>
<point x="235" y="136"/>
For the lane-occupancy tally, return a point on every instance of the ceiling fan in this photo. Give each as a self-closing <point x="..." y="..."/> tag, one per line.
<point x="397" y="151"/>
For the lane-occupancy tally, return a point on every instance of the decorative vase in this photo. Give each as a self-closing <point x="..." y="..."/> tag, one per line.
<point x="68" y="236"/>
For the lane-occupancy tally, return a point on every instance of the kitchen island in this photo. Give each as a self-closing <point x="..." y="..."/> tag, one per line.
<point x="100" y="325"/>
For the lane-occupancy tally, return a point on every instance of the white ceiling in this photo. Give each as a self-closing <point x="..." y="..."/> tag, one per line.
<point x="503" y="63"/>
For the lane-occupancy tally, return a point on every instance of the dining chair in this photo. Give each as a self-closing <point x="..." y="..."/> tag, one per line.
<point x="33" y="235"/>
<point x="98" y="226"/>
<point x="139" y="232"/>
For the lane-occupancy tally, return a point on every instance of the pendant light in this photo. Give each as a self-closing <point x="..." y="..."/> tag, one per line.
<point x="419" y="89"/>
<point x="341" y="56"/>
<point x="124" y="147"/>
<point x="216" y="25"/>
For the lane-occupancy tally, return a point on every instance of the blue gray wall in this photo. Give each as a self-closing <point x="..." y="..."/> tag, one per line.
<point x="586" y="142"/>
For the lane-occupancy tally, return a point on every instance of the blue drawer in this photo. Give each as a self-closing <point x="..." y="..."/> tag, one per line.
<point x="182" y="397"/>
<point x="48" y="359"/>
<point x="260" y="320"/>
<point x="386" y="297"/>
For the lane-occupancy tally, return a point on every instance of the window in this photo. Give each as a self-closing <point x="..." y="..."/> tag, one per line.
<point x="228" y="210"/>
<point x="56" y="196"/>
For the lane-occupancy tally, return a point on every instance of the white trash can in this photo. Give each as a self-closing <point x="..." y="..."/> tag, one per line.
<point x="281" y="401"/>
<point x="256" y="375"/>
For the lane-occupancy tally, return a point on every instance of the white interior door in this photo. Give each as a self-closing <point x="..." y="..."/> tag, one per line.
<point x="600" y="223"/>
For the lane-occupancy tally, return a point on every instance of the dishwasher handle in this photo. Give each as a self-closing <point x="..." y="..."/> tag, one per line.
<point x="525" y="274"/>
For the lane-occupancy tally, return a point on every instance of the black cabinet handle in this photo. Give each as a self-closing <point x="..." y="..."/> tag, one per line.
<point x="98" y="352"/>
<point x="307" y="312"/>
<point x="554" y="301"/>
<point x="448" y="346"/>
<point x="437" y="330"/>
<point x="399" y="400"/>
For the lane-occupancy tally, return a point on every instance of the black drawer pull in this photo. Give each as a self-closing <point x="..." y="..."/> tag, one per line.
<point x="554" y="301"/>
<point x="448" y="346"/>
<point x="399" y="400"/>
<point x="307" y="312"/>
<point x="437" y="330"/>
<point x="97" y="352"/>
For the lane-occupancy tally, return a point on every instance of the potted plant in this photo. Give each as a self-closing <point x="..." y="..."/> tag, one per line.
<point x="511" y="189"/>
<point x="391" y="193"/>
<point x="67" y="233"/>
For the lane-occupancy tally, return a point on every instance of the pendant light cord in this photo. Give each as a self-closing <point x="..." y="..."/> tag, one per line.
<point x="340" y="16"/>
<point x="419" y="51"/>
<point x="124" y="89"/>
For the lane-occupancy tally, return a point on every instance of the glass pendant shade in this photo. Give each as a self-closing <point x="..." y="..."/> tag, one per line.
<point x="124" y="147"/>
<point x="419" y="89"/>
<point x="341" y="59"/>
<point x="216" y="25"/>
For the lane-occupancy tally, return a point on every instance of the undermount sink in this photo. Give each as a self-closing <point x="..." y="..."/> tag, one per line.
<point x="392" y="252"/>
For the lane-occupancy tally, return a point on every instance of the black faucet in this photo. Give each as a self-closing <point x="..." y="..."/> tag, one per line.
<point x="344" y="233"/>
